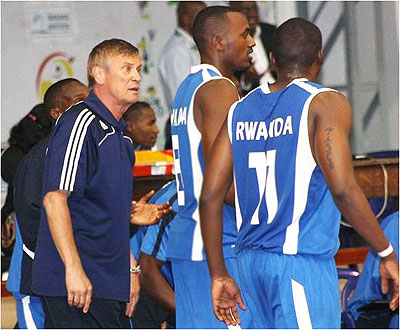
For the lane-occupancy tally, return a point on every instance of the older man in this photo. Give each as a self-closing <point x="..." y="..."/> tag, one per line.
<point x="83" y="268"/>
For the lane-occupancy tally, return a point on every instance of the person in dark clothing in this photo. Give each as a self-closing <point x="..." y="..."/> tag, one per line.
<point x="260" y="70"/>
<point x="27" y="201"/>
<point x="24" y="135"/>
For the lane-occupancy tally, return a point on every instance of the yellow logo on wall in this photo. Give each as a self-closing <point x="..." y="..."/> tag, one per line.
<point x="54" y="67"/>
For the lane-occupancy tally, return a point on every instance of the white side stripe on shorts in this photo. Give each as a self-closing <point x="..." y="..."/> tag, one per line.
<point x="74" y="148"/>
<point x="301" y="306"/>
<point x="30" y="323"/>
<point x="30" y="253"/>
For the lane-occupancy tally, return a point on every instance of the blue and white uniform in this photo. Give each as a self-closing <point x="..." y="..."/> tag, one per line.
<point x="30" y="314"/>
<point x="288" y="222"/>
<point x="153" y="241"/>
<point x="27" y="200"/>
<point x="369" y="284"/>
<point x="185" y="249"/>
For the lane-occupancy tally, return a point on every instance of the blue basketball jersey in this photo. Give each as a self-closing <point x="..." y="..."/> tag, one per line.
<point x="283" y="203"/>
<point x="162" y="196"/>
<point x="185" y="240"/>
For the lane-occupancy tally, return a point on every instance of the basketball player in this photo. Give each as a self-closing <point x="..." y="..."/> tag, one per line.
<point x="293" y="174"/>
<point x="199" y="109"/>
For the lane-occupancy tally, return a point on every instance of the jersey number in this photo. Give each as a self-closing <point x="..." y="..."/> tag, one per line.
<point x="178" y="174"/>
<point x="264" y="163"/>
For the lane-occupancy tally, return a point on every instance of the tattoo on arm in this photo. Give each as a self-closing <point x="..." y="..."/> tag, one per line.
<point x="328" y="147"/>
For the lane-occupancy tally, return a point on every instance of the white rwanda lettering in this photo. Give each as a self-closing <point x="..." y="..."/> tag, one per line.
<point x="255" y="130"/>
<point x="178" y="116"/>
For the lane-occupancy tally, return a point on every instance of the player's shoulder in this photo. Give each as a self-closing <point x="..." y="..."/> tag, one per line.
<point x="165" y="193"/>
<point x="218" y="85"/>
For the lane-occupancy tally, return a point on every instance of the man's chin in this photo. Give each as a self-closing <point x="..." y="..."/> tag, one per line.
<point x="246" y="65"/>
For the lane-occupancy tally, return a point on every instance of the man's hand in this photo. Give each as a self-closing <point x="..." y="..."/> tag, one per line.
<point x="79" y="288"/>
<point x="389" y="271"/>
<point x="134" y="295"/>
<point x="144" y="214"/>
<point x="225" y="295"/>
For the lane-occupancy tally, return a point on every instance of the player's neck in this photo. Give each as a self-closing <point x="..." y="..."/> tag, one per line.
<point x="223" y="69"/>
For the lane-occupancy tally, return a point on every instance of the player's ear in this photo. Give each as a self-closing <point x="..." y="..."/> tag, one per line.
<point x="99" y="74"/>
<point x="272" y="60"/>
<point x="55" y="113"/>
<point x="218" y="42"/>
<point x="320" y="56"/>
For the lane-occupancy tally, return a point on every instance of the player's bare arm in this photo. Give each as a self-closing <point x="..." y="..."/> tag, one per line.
<point x="217" y="181"/>
<point x="79" y="287"/>
<point x="330" y="123"/>
<point x="134" y="292"/>
<point x="211" y="107"/>
<point x="154" y="283"/>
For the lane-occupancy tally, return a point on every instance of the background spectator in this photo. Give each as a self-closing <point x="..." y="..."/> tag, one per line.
<point x="260" y="71"/>
<point x="24" y="135"/>
<point x="179" y="54"/>
<point x="141" y="126"/>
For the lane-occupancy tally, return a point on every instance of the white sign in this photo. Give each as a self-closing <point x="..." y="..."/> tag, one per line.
<point x="49" y="22"/>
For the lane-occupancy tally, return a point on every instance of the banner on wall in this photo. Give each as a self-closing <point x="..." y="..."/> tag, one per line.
<point x="54" y="67"/>
<point x="46" y="22"/>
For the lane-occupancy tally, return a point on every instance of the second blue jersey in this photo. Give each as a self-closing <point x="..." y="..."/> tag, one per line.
<point x="185" y="241"/>
<point x="283" y="203"/>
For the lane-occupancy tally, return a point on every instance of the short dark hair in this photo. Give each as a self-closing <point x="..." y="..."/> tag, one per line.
<point x="106" y="49"/>
<point x="296" y="42"/>
<point x="135" y="110"/>
<point x="53" y="98"/>
<point x="209" y="21"/>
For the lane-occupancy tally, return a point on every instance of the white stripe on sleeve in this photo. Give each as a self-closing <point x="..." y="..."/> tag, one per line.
<point x="74" y="148"/>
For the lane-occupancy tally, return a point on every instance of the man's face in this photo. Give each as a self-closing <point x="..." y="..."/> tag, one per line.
<point x="122" y="79"/>
<point x="239" y="42"/>
<point x="143" y="130"/>
<point x="250" y="10"/>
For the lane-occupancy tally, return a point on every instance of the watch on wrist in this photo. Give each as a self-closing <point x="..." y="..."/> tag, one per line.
<point x="135" y="270"/>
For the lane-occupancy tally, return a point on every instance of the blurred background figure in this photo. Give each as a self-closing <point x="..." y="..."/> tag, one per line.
<point x="32" y="128"/>
<point x="179" y="54"/>
<point x="260" y="71"/>
<point x="142" y="127"/>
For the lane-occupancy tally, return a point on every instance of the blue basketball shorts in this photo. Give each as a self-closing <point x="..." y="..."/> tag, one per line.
<point x="30" y="312"/>
<point x="290" y="291"/>
<point x="193" y="295"/>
